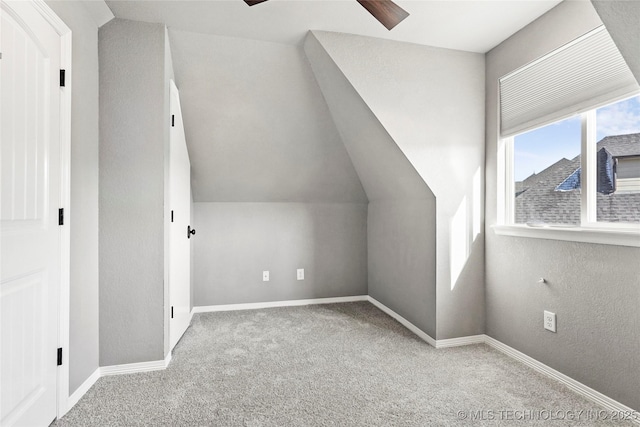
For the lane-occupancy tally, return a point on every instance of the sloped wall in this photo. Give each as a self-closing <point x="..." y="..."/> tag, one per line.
<point x="273" y="186"/>
<point x="430" y="104"/>
<point x="256" y="126"/>
<point x="401" y="214"/>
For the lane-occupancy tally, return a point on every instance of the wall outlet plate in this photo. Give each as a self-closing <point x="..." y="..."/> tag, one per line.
<point x="550" y="321"/>
<point x="300" y="274"/>
<point x="265" y="276"/>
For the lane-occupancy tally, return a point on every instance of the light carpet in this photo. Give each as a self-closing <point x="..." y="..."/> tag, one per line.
<point x="326" y="365"/>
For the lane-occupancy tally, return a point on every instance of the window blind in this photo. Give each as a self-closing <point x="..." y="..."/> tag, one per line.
<point x="581" y="75"/>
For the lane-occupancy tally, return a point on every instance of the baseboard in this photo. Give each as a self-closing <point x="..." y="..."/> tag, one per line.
<point x="273" y="304"/>
<point x="410" y="326"/>
<point x="132" y="368"/>
<point x="84" y="387"/>
<point x="456" y="342"/>
<point x="583" y="390"/>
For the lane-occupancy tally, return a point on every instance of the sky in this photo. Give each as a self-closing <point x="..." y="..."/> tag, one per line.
<point x="538" y="149"/>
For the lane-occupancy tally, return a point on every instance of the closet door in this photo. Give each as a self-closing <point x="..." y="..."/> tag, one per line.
<point x="29" y="226"/>
<point x="179" y="239"/>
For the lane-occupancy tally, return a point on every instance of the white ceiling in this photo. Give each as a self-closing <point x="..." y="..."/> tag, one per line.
<point x="471" y="25"/>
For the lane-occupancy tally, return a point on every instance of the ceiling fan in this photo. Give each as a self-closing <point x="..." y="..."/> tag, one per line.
<point x="387" y="12"/>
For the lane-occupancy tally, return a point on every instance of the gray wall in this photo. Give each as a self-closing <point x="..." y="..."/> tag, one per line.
<point x="132" y="153"/>
<point x="401" y="240"/>
<point x="419" y="95"/>
<point x="401" y="271"/>
<point x="256" y="125"/>
<point x="235" y="242"/>
<point x="593" y="289"/>
<point x="621" y="18"/>
<point x="83" y="316"/>
<point x="267" y="162"/>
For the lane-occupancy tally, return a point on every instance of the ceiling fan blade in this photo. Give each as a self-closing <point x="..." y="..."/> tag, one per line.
<point x="254" y="2"/>
<point x="387" y="12"/>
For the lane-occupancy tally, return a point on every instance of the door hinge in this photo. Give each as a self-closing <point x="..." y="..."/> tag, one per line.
<point x="62" y="73"/>
<point x="60" y="356"/>
<point x="171" y="216"/>
<point x="172" y="312"/>
<point x="61" y="216"/>
<point x="173" y="120"/>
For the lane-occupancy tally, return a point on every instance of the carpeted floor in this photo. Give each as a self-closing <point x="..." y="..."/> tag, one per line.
<point x="326" y="365"/>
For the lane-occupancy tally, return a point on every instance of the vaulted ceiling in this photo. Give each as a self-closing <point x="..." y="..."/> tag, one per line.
<point x="471" y="25"/>
<point x="257" y="125"/>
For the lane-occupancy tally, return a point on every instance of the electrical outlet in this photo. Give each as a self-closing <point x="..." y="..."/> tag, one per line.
<point x="300" y="274"/>
<point x="265" y="276"/>
<point x="550" y="321"/>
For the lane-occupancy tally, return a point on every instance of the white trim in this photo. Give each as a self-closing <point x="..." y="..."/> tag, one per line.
<point x="47" y="13"/>
<point x="457" y="342"/>
<point x="410" y="326"/>
<point x="611" y="236"/>
<point x="272" y="304"/>
<point x="132" y="368"/>
<point x="583" y="390"/>
<point x="65" y="199"/>
<point x="83" y="389"/>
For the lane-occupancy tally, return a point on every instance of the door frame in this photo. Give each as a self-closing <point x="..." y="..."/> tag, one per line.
<point x="64" y="200"/>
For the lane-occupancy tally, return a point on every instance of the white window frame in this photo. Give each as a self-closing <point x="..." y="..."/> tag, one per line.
<point x="589" y="230"/>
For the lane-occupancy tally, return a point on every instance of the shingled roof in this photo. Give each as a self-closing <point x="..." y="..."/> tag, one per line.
<point x="553" y="195"/>
<point x="621" y="145"/>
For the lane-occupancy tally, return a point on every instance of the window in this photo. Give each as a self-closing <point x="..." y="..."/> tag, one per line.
<point x="548" y="172"/>
<point x="569" y="160"/>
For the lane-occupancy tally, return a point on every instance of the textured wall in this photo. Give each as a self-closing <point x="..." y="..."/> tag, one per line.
<point x="132" y="151"/>
<point x="401" y="239"/>
<point x="257" y="127"/>
<point x="258" y="130"/>
<point x="621" y="17"/>
<point x="420" y="96"/>
<point x="593" y="289"/>
<point x="83" y="316"/>
<point x="401" y="217"/>
<point x="235" y="242"/>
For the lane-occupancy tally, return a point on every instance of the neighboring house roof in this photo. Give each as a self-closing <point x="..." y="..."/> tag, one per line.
<point x="553" y="195"/>
<point x="621" y="145"/>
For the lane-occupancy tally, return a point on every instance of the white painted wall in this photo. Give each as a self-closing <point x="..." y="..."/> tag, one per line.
<point x="430" y="101"/>
<point x="593" y="289"/>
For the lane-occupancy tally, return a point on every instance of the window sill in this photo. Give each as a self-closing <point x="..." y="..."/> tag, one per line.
<point x="619" y="237"/>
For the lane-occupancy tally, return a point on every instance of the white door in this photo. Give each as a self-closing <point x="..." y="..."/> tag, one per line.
<point x="179" y="243"/>
<point x="29" y="231"/>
